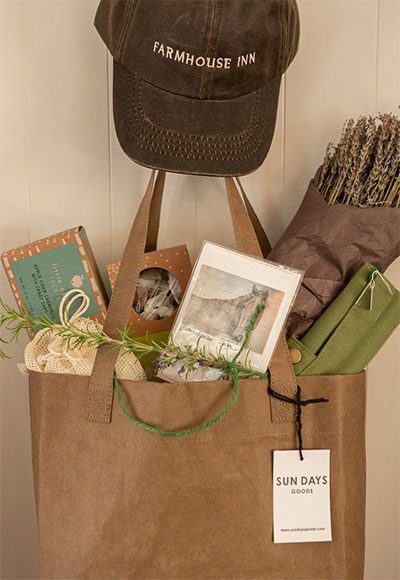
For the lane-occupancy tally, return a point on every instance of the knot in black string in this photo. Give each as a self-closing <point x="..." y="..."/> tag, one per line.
<point x="299" y="402"/>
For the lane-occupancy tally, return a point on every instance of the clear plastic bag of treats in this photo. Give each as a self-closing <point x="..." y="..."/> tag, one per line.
<point x="157" y="295"/>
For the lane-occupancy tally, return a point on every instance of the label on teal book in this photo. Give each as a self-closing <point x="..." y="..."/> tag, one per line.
<point x="44" y="278"/>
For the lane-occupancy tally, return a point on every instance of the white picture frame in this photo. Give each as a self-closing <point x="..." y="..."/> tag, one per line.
<point x="221" y="296"/>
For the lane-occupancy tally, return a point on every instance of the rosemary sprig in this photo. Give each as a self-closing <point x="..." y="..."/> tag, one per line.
<point x="170" y="354"/>
<point x="17" y="320"/>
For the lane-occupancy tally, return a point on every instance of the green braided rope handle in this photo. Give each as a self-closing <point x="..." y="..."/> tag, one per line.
<point x="180" y="432"/>
<point x="231" y="370"/>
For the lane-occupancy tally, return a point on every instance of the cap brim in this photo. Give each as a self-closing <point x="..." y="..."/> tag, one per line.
<point x="166" y="131"/>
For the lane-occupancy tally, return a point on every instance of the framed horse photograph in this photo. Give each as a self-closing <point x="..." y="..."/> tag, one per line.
<point x="223" y="294"/>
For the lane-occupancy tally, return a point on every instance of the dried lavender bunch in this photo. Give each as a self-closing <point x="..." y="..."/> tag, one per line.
<point x="363" y="169"/>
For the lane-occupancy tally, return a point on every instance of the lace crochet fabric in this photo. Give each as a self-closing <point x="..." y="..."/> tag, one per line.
<point x="48" y="353"/>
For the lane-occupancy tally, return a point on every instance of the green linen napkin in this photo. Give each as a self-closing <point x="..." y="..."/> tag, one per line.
<point x="352" y="329"/>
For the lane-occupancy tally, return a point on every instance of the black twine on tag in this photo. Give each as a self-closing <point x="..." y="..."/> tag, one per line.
<point x="299" y="404"/>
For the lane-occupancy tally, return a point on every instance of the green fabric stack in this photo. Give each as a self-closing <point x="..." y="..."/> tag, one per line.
<point x="352" y="329"/>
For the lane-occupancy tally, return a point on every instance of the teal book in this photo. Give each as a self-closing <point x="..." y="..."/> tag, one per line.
<point x="40" y="273"/>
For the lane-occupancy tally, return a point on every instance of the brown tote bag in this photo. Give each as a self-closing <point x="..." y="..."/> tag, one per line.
<point x="116" y="501"/>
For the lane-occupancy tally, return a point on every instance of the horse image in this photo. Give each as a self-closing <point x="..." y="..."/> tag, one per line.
<point x="225" y="317"/>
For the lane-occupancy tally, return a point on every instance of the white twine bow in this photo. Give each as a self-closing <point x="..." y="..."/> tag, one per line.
<point x="67" y="301"/>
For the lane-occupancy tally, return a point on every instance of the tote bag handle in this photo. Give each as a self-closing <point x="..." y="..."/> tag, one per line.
<point x="100" y="395"/>
<point x="155" y="215"/>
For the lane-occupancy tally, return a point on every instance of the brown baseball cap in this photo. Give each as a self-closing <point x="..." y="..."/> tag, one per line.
<point x="196" y="82"/>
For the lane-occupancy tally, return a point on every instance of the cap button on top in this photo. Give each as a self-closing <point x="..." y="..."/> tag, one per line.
<point x="295" y="355"/>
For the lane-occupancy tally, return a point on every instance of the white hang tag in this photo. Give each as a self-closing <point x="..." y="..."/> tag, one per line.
<point x="302" y="508"/>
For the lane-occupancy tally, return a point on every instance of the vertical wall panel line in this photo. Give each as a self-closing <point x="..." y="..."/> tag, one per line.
<point x="378" y="24"/>
<point x="25" y="123"/>
<point x="110" y="157"/>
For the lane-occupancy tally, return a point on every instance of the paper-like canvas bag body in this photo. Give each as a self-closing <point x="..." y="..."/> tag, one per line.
<point x="115" y="501"/>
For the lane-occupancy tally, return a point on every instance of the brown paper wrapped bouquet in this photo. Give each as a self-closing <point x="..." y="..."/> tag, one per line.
<point x="350" y="215"/>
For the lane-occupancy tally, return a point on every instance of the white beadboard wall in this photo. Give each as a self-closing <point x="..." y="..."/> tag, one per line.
<point x="62" y="166"/>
